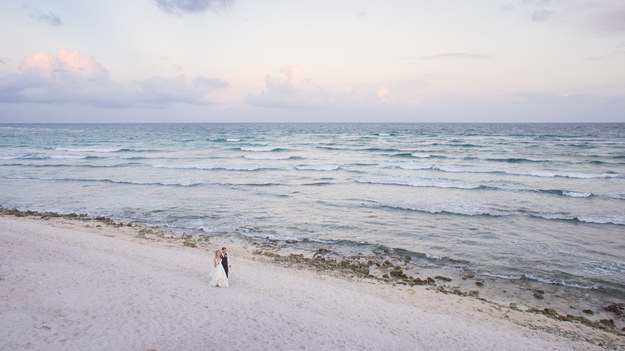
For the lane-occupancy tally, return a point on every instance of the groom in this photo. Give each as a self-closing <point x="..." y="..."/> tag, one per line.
<point x="224" y="260"/>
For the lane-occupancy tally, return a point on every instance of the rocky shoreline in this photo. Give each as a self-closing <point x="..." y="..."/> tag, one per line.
<point x="384" y="267"/>
<point x="371" y="267"/>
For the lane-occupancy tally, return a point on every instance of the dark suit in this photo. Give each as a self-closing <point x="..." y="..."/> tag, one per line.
<point x="224" y="262"/>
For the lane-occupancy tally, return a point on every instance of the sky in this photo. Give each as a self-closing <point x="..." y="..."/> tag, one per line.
<point x="312" y="61"/>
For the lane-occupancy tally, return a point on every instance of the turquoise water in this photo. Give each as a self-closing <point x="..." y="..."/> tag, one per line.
<point x="541" y="202"/>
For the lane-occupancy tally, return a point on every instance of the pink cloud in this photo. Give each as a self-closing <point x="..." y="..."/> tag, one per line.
<point x="66" y="64"/>
<point x="295" y="90"/>
<point x="71" y="77"/>
<point x="383" y="94"/>
<point x="292" y="90"/>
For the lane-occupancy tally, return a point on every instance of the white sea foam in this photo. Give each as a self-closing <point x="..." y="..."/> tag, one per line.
<point x="67" y="157"/>
<point x="501" y="276"/>
<point x="265" y="157"/>
<point x="197" y="165"/>
<point x="616" y="219"/>
<point x="433" y="257"/>
<point x="422" y="182"/>
<point x="265" y="235"/>
<point x="259" y="149"/>
<point x="464" y="210"/>
<point x="99" y="150"/>
<point x="606" y="268"/>
<point x="321" y="241"/>
<point x="165" y="181"/>
<point x="576" y="194"/>
<point x="550" y="215"/>
<point x="213" y="166"/>
<point x="558" y="282"/>
<point x="404" y="165"/>
<point x="318" y="168"/>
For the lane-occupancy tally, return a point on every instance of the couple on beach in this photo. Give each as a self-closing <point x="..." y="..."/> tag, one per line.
<point x="221" y="265"/>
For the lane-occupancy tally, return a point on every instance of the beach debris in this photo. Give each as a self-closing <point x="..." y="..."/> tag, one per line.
<point x="189" y="243"/>
<point x="479" y="283"/>
<point x="440" y="277"/>
<point x="590" y="312"/>
<point x="538" y="295"/>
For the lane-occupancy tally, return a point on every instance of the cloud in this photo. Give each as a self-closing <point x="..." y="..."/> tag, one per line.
<point x="71" y="77"/>
<point x="296" y="90"/>
<point x="541" y="15"/>
<point x="507" y="7"/>
<point x="609" y="19"/>
<point x="161" y="91"/>
<point x="49" y="17"/>
<point x="383" y="94"/>
<point x="182" y="7"/>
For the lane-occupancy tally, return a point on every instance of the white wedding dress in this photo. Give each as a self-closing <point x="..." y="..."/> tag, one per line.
<point x="219" y="276"/>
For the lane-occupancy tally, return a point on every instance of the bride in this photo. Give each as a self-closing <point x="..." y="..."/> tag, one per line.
<point x="219" y="274"/>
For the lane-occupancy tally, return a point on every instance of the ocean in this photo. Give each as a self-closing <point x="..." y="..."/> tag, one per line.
<point x="543" y="203"/>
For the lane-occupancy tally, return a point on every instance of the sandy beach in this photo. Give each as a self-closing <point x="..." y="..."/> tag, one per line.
<point x="80" y="285"/>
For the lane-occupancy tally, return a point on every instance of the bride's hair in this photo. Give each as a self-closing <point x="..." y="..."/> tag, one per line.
<point x="217" y="253"/>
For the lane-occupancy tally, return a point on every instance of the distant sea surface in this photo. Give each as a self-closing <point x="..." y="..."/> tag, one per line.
<point x="543" y="202"/>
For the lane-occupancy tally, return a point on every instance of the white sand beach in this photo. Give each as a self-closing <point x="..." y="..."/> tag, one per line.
<point x="69" y="285"/>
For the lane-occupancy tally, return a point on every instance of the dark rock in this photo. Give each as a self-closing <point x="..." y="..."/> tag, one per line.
<point x="189" y="243"/>
<point x="296" y="258"/>
<point x="467" y="276"/>
<point x="474" y="293"/>
<point x="608" y="323"/>
<point x="538" y="296"/>
<point x="479" y="283"/>
<point x="540" y="291"/>
<point x="588" y="312"/>
<point x="419" y="281"/>
<point x="550" y="312"/>
<point x="398" y="273"/>
<point x="291" y="241"/>
<point x="321" y="251"/>
<point x="617" y="309"/>
<point x="440" y="277"/>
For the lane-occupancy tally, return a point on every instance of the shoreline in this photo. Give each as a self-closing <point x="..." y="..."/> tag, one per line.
<point x="282" y="285"/>
<point x="585" y="306"/>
